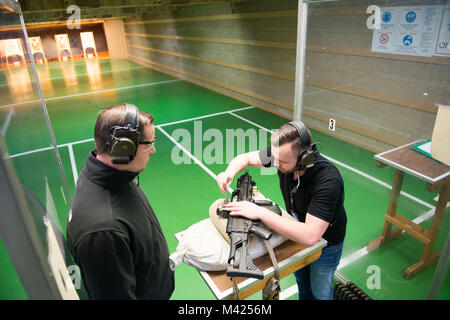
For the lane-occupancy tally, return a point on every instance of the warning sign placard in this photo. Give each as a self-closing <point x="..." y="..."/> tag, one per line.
<point x="419" y="30"/>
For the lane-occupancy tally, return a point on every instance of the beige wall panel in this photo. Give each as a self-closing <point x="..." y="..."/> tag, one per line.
<point x="115" y="38"/>
<point x="349" y="136"/>
<point x="425" y="83"/>
<point x="367" y="113"/>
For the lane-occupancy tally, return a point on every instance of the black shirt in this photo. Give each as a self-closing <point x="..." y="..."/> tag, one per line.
<point x="115" y="237"/>
<point x="321" y="194"/>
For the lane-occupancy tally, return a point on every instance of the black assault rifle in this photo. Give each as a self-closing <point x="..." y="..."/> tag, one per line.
<point x="238" y="229"/>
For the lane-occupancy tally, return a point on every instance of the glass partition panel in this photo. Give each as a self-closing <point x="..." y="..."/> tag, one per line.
<point x="377" y="75"/>
<point x="28" y="149"/>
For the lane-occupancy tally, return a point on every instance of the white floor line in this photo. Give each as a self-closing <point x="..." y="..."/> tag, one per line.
<point x="73" y="164"/>
<point x="76" y="142"/>
<point x="251" y="122"/>
<point x="289" y="292"/>
<point x="91" y="92"/>
<point x="68" y="77"/>
<point x="62" y="193"/>
<point x="19" y="103"/>
<point x="7" y="121"/>
<point x="352" y="257"/>
<point x="29" y="152"/>
<point x="427" y="215"/>
<point x="187" y="152"/>
<point x="205" y="116"/>
<point x="113" y="89"/>
<point x="384" y="184"/>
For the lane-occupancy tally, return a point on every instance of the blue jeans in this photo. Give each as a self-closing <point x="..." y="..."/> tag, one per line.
<point x="315" y="281"/>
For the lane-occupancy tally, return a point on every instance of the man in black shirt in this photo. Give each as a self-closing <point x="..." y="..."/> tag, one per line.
<point x="113" y="232"/>
<point x="313" y="192"/>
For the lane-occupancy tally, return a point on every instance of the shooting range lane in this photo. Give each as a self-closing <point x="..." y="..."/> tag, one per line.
<point x="181" y="194"/>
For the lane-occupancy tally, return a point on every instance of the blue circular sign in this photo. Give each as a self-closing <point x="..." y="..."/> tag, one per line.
<point x="386" y="16"/>
<point x="407" y="40"/>
<point x="410" y="16"/>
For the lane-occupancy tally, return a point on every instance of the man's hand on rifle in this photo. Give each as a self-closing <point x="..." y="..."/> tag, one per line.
<point x="224" y="180"/>
<point x="246" y="209"/>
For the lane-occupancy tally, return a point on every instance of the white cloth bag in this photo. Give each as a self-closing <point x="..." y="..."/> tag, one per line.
<point x="202" y="247"/>
<point x="205" y="245"/>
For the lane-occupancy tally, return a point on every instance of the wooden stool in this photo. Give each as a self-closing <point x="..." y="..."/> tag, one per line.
<point x="437" y="175"/>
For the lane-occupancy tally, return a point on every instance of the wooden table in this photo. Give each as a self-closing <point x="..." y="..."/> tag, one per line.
<point x="291" y="256"/>
<point x="437" y="176"/>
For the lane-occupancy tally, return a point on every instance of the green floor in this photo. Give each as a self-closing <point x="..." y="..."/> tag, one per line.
<point x="181" y="194"/>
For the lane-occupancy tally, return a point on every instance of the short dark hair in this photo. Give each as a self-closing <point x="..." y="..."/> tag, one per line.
<point x="115" y="116"/>
<point x="288" y="134"/>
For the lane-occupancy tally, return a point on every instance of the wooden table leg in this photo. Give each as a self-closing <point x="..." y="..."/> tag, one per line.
<point x="428" y="257"/>
<point x="388" y="234"/>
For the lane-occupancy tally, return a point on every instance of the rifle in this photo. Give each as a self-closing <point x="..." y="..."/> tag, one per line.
<point x="238" y="229"/>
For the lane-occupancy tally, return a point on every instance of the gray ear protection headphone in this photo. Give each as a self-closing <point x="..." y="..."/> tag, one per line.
<point x="124" y="140"/>
<point x="308" y="156"/>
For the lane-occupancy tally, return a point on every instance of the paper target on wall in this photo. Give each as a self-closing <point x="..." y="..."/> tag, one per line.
<point x="63" y="45"/>
<point x="37" y="50"/>
<point x="12" y="50"/>
<point x="88" y="42"/>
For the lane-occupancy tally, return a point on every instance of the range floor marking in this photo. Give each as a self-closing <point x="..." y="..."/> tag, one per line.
<point x="91" y="92"/>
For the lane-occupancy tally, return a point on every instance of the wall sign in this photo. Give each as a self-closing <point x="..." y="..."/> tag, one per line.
<point x="419" y="31"/>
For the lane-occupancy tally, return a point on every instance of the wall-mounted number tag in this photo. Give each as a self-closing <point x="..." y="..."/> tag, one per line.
<point x="332" y="125"/>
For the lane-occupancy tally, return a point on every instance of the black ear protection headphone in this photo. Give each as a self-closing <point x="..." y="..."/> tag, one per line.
<point x="308" y="156"/>
<point x="124" y="140"/>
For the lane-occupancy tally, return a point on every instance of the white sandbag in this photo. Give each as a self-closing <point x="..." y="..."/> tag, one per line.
<point x="202" y="247"/>
<point x="205" y="245"/>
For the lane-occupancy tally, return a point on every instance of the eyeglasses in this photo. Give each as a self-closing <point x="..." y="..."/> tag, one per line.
<point x="151" y="142"/>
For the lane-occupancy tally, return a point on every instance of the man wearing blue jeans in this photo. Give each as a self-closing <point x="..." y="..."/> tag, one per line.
<point x="313" y="192"/>
<point x="315" y="280"/>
